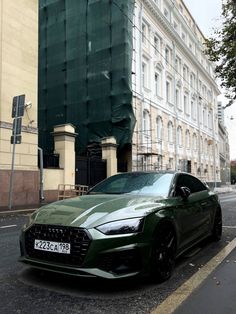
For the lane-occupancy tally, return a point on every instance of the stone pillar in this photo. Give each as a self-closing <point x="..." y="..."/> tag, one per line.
<point x="109" y="147"/>
<point x="64" y="141"/>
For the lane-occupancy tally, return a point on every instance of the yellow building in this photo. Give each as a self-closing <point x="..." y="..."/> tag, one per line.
<point x="18" y="75"/>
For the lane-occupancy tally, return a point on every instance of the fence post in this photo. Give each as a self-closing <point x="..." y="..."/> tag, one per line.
<point x="109" y="148"/>
<point x="64" y="140"/>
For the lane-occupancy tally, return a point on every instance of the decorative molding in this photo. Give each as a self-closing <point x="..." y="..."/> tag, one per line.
<point x="159" y="65"/>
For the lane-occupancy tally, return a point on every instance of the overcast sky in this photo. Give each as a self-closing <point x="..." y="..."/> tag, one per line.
<point x="207" y="15"/>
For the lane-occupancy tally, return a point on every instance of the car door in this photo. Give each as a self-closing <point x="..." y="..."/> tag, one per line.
<point x="189" y="213"/>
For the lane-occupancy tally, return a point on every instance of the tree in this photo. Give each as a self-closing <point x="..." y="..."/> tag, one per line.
<point x="221" y="49"/>
<point x="233" y="171"/>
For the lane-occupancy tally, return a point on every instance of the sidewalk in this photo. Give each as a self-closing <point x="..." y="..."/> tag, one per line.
<point x="225" y="189"/>
<point x="217" y="293"/>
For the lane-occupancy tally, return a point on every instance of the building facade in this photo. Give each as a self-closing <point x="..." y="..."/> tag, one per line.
<point x="18" y="75"/>
<point x="116" y="63"/>
<point x="174" y="93"/>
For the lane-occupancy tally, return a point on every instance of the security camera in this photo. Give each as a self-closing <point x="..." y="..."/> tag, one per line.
<point x="28" y="104"/>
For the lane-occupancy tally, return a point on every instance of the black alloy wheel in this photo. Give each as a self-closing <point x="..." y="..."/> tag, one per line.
<point x="163" y="253"/>
<point x="217" y="226"/>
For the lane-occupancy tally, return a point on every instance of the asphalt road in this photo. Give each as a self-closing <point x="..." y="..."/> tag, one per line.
<point x="23" y="290"/>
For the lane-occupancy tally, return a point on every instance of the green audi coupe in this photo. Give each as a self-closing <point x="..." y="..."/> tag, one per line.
<point x="130" y="224"/>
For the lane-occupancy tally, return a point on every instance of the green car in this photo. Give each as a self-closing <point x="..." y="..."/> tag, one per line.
<point x="130" y="224"/>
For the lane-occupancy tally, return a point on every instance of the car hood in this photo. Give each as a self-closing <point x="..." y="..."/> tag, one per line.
<point x="89" y="211"/>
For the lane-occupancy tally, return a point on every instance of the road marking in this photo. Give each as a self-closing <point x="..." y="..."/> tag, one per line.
<point x="171" y="303"/>
<point x="9" y="226"/>
<point x="230" y="227"/>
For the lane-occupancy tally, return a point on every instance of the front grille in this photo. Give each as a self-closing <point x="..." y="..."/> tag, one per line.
<point x="78" y="238"/>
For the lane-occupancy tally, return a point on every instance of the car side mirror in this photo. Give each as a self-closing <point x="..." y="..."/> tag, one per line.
<point x="184" y="192"/>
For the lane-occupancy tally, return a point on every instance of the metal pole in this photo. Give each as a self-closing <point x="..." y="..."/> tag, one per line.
<point x="13" y="157"/>
<point x="41" y="195"/>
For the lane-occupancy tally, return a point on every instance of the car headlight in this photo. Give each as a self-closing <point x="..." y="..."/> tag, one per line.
<point x="122" y="226"/>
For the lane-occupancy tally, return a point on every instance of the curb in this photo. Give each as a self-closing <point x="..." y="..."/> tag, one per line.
<point x="17" y="211"/>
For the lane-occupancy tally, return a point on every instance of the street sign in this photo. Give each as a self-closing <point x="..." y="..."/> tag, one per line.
<point x="17" y="139"/>
<point x="17" y="126"/>
<point x="18" y="106"/>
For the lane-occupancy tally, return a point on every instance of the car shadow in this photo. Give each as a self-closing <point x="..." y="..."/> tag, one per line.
<point x="98" y="288"/>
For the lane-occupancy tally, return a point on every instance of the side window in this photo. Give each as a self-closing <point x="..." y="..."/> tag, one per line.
<point x="198" y="185"/>
<point x="190" y="182"/>
<point x="182" y="181"/>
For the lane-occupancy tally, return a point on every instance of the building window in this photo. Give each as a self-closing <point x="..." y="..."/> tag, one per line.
<point x="201" y="144"/>
<point x="166" y="13"/>
<point x="179" y="136"/>
<point x="184" y="73"/>
<point x="186" y="104"/>
<point x="187" y="139"/>
<point x="157" y="84"/>
<point x="194" y="141"/>
<point x="193" y="110"/>
<point x="144" y="34"/>
<point x="177" y="64"/>
<point x="200" y="113"/>
<point x="206" y="147"/>
<point x="159" y="128"/>
<point x="168" y="56"/>
<point x="170" y="132"/>
<point x="204" y="91"/>
<point x="210" y="120"/>
<point x="156" y="45"/>
<point x="146" y="124"/>
<point x="204" y="117"/>
<point x="145" y="74"/>
<point x="177" y="99"/>
<point x="192" y="80"/>
<point x="176" y="26"/>
<point x="168" y="90"/>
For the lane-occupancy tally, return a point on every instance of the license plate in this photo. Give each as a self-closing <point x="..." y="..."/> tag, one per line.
<point x="50" y="246"/>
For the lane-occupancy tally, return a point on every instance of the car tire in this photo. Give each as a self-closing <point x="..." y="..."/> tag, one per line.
<point x="217" y="226"/>
<point x="163" y="253"/>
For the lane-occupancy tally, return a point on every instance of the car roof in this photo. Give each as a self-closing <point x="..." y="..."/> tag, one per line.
<point x="151" y="171"/>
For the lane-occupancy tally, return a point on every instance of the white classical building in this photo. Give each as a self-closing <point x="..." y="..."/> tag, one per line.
<point x="175" y="93"/>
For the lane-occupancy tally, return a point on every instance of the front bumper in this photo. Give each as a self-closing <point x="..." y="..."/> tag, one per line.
<point x="108" y="257"/>
<point x="115" y="268"/>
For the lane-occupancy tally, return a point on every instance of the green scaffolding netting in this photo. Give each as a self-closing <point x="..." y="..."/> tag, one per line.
<point x="85" y="61"/>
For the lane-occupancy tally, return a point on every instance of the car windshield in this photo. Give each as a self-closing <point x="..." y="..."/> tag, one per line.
<point x="135" y="183"/>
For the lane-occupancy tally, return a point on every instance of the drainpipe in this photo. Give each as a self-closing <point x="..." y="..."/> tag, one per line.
<point x="41" y="195"/>
<point x="175" y="107"/>
<point x="141" y="79"/>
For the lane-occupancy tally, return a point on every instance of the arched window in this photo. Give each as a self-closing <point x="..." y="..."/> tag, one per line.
<point x="201" y="144"/>
<point x="187" y="139"/>
<point x="194" y="141"/>
<point x="159" y="128"/>
<point x="179" y="136"/>
<point x="170" y="132"/>
<point x="206" y="146"/>
<point x="146" y="123"/>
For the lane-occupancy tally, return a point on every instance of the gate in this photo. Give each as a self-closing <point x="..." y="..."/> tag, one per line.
<point x="90" y="171"/>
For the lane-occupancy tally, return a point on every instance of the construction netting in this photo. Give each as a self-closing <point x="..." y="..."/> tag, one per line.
<point x="85" y="68"/>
